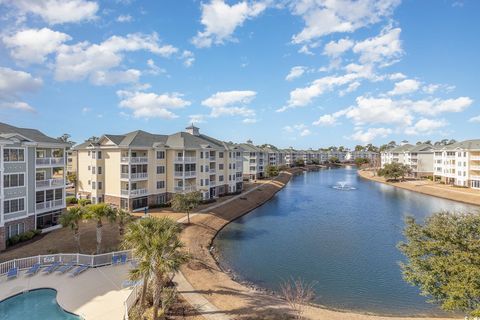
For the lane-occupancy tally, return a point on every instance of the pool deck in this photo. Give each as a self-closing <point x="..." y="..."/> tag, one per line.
<point x="95" y="294"/>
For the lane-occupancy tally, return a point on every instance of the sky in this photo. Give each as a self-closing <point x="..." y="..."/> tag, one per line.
<point x="301" y="73"/>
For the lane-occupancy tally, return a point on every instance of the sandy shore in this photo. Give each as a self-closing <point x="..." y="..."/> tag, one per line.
<point x="466" y="195"/>
<point x="232" y="298"/>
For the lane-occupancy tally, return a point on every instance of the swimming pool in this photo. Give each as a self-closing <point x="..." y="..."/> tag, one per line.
<point x="36" y="304"/>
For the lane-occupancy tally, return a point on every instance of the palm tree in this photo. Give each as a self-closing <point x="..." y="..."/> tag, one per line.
<point x="98" y="212"/>
<point x="71" y="219"/>
<point x="122" y="217"/>
<point x="156" y="244"/>
<point x="186" y="202"/>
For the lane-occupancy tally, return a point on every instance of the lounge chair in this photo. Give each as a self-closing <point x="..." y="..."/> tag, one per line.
<point x="33" y="269"/>
<point x="12" y="273"/>
<point x="115" y="259"/>
<point x="66" y="267"/>
<point x="79" y="270"/>
<point x="52" y="267"/>
<point x="123" y="258"/>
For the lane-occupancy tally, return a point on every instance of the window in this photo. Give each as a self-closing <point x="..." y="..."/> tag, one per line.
<point x="16" y="229"/>
<point x="89" y="153"/>
<point x="93" y="185"/>
<point x="160" y="154"/>
<point x="99" y="170"/>
<point x="89" y="182"/>
<point x="201" y="155"/>
<point x="94" y="155"/>
<point x="220" y="166"/>
<point x="88" y="168"/>
<point x="14" y="205"/>
<point x="93" y="170"/>
<point x="201" y="168"/>
<point x="99" y="154"/>
<point x="100" y="186"/>
<point x="58" y="194"/>
<point x="160" y="184"/>
<point x="13" y="155"/>
<point x="220" y="178"/>
<point x="160" y="169"/>
<point x="220" y="154"/>
<point x="14" y="180"/>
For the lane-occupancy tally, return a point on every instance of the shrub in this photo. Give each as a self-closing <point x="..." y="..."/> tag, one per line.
<point x="160" y="205"/>
<point x="84" y="202"/>
<point x="23" y="237"/>
<point x="71" y="200"/>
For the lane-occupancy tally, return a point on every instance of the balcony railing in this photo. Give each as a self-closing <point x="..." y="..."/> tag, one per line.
<point x="52" y="204"/>
<point x="135" y="176"/>
<point x="211" y="171"/>
<point x="134" y="193"/>
<point x="475" y="178"/>
<point x="186" y="174"/>
<point x="476" y="158"/>
<point x="212" y="158"/>
<point x="50" y="183"/>
<point x="184" y="189"/>
<point x="475" y="168"/>
<point x="185" y="159"/>
<point x="134" y="160"/>
<point x="50" y="161"/>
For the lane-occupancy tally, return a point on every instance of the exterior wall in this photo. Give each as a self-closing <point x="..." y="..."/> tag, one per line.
<point x="29" y="225"/>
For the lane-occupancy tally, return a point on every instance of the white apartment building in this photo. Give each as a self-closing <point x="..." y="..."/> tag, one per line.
<point x="418" y="157"/>
<point x="255" y="159"/>
<point x="32" y="176"/>
<point x="458" y="164"/>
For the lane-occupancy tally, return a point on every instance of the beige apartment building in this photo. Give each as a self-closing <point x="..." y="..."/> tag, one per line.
<point x="140" y="169"/>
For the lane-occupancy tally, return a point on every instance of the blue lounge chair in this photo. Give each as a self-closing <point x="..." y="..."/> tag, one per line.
<point x="12" y="273"/>
<point x="51" y="267"/>
<point x="123" y="258"/>
<point x="79" y="270"/>
<point x="33" y="269"/>
<point x="115" y="259"/>
<point x="66" y="267"/>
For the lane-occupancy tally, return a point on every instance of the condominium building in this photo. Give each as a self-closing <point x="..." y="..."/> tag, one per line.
<point x="458" y="164"/>
<point x="32" y="176"/>
<point x="140" y="169"/>
<point x="255" y="159"/>
<point x="418" y="157"/>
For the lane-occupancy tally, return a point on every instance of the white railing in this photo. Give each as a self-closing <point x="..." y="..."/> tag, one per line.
<point x="476" y="158"/>
<point x="186" y="174"/>
<point x="49" y="204"/>
<point x="474" y="167"/>
<point x="132" y="298"/>
<point x="185" y="189"/>
<point x="50" y="183"/>
<point x="50" y="161"/>
<point x="124" y="176"/>
<point x="475" y="178"/>
<point x="185" y="159"/>
<point x="211" y="171"/>
<point x="135" y="160"/>
<point x="212" y="183"/>
<point x="134" y="193"/>
<point x="212" y="158"/>
<point x="141" y="175"/>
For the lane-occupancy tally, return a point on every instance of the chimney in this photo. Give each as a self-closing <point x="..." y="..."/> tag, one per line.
<point x="193" y="130"/>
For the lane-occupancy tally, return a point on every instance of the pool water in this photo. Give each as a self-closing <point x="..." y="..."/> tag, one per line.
<point x="338" y="230"/>
<point x="38" y="304"/>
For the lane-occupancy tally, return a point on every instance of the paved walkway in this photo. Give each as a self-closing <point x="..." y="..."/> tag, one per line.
<point x="95" y="294"/>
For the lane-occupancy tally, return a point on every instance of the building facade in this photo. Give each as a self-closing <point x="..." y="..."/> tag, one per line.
<point x="419" y="158"/>
<point x="32" y="175"/>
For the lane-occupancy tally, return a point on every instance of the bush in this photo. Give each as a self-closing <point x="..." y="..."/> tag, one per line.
<point x="71" y="200"/>
<point x="84" y="202"/>
<point x="160" y="205"/>
<point x="23" y="237"/>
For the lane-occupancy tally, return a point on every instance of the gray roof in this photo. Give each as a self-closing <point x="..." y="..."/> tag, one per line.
<point x="402" y="148"/>
<point x="464" y="145"/>
<point x="31" y="134"/>
<point x="421" y="148"/>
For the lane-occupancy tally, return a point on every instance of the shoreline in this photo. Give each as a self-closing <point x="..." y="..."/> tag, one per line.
<point x="464" y="195"/>
<point x="239" y="300"/>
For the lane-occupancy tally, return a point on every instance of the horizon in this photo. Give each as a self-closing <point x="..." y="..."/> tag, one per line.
<point x="277" y="73"/>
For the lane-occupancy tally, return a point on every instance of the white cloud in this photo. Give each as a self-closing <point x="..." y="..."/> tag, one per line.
<point x="84" y="60"/>
<point x="220" y="20"/>
<point x="249" y="120"/>
<point x="326" y="120"/>
<point x="383" y="49"/>
<point x="378" y="110"/>
<point x="295" y="72"/>
<point x="404" y="87"/>
<point x="396" y="76"/>
<point x="57" y="11"/>
<point x="437" y="106"/>
<point x="300" y="129"/>
<point x="370" y="134"/>
<point x="152" y="105"/>
<point x="124" y="18"/>
<point x="336" y="48"/>
<point x="196" y="118"/>
<point x="425" y="126"/>
<point x="475" y="119"/>
<point x="230" y="103"/>
<point x="102" y="78"/>
<point x="324" y="17"/>
<point x="33" y="45"/>
<point x="154" y="69"/>
<point x="188" y="58"/>
<point x="13" y="83"/>
<point x="86" y="110"/>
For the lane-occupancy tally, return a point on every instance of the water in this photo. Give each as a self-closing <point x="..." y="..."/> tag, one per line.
<point x="345" y="241"/>
<point x="37" y="304"/>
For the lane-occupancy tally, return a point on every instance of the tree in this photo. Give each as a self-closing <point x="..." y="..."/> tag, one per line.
<point x="97" y="213"/>
<point x="122" y="217"/>
<point x="272" y="171"/>
<point x="186" y="202"/>
<point x="315" y="161"/>
<point x="370" y="147"/>
<point x="359" y="147"/>
<point x="299" y="163"/>
<point x="443" y="257"/>
<point x="334" y="160"/>
<point x="66" y="138"/>
<point x="71" y="219"/>
<point x="72" y="177"/>
<point x="393" y="170"/>
<point x="361" y="161"/>
<point x="156" y="244"/>
<point x="298" y="294"/>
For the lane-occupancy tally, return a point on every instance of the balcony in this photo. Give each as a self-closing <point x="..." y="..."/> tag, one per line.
<point x="185" y="174"/>
<point x="185" y="189"/>
<point x="50" y="183"/>
<point x="134" y="176"/>
<point x="212" y="158"/>
<point x="50" y="162"/>
<point x="211" y="171"/>
<point x="134" y="160"/>
<point x="134" y="193"/>
<point x="476" y="168"/>
<point x="186" y="159"/>
<point x="475" y="178"/>
<point x="475" y="158"/>
<point x="49" y="205"/>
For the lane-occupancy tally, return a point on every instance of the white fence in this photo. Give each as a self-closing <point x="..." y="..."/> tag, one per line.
<point x="132" y="298"/>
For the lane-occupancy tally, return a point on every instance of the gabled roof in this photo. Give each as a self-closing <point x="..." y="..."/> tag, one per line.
<point x="31" y="134"/>
<point x="421" y="148"/>
<point x="462" y="145"/>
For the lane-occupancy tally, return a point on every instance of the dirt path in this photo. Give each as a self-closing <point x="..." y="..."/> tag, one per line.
<point x="466" y="195"/>
<point x="235" y="300"/>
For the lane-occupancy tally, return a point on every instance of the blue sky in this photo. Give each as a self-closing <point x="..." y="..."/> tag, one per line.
<point x="305" y="73"/>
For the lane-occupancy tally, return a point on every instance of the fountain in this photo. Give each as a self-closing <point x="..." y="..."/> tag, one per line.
<point x="342" y="185"/>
